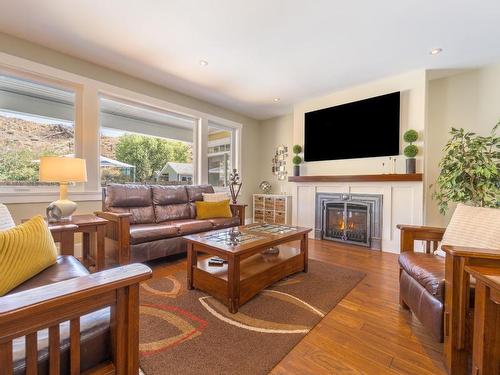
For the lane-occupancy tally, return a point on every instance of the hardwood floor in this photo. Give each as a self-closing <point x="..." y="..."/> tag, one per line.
<point x="367" y="332"/>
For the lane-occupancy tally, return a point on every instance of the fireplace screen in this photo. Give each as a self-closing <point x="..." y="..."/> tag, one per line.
<point x="347" y="221"/>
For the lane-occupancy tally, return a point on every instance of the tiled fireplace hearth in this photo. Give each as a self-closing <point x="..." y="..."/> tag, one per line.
<point x="349" y="218"/>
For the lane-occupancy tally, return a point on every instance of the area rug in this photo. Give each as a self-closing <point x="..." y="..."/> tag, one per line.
<point x="188" y="332"/>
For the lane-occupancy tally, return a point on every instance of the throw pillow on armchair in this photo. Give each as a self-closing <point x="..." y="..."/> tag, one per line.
<point x="25" y="250"/>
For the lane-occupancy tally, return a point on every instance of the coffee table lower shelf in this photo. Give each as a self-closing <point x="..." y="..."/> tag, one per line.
<point x="255" y="273"/>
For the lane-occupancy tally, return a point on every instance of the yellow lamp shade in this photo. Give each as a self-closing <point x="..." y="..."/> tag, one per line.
<point x="62" y="169"/>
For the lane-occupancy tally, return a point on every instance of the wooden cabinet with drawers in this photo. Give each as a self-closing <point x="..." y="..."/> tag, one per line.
<point x="272" y="209"/>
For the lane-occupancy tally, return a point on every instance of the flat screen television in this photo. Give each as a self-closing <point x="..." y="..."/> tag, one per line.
<point x="362" y="129"/>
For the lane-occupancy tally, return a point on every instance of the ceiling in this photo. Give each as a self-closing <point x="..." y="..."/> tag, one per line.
<point x="262" y="49"/>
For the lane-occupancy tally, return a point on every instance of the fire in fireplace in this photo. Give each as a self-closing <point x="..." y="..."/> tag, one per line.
<point x="347" y="221"/>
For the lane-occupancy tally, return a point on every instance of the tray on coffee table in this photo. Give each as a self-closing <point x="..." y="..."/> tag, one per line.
<point x="248" y="269"/>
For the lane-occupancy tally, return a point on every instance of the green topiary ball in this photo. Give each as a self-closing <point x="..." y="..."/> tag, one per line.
<point x="297" y="149"/>
<point x="410" y="136"/>
<point x="411" y="151"/>
<point x="297" y="160"/>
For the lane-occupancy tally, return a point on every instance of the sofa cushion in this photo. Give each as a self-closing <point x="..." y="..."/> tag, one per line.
<point x="172" y="212"/>
<point x="25" y="251"/>
<point x="141" y="233"/>
<point x="225" y="222"/>
<point x="118" y="195"/>
<point x="66" y="267"/>
<point x="427" y="270"/>
<point x="163" y="195"/>
<point x="146" y="251"/>
<point x="134" y="199"/>
<point x="189" y="226"/>
<point x="195" y="192"/>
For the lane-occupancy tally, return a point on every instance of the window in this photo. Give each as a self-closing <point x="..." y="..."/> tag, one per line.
<point x="35" y="120"/>
<point x="140" y="144"/>
<point x="219" y="154"/>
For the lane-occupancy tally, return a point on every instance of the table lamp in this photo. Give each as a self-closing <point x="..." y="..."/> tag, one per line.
<point x="63" y="170"/>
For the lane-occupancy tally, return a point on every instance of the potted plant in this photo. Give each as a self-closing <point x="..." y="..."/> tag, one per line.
<point x="469" y="170"/>
<point x="411" y="150"/>
<point x="297" y="149"/>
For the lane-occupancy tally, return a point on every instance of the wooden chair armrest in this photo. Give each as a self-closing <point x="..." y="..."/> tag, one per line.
<point x="112" y="216"/>
<point x="420" y="228"/>
<point x="412" y="233"/>
<point x="66" y="292"/>
<point x="472" y="251"/>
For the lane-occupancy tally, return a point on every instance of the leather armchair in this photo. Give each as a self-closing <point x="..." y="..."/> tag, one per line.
<point x="66" y="321"/>
<point x="421" y="277"/>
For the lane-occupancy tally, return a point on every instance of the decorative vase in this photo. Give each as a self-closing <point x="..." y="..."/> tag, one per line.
<point x="411" y="165"/>
<point x="296" y="170"/>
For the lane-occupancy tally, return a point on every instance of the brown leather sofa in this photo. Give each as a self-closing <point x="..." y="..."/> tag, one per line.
<point x="36" y="335"/>
<point x="148" y="221"/>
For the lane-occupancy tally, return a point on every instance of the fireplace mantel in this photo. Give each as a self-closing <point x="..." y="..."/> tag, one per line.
<point x="358" y="178"/>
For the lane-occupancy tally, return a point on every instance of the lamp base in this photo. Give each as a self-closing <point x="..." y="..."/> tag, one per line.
<point x="60" y="210"/>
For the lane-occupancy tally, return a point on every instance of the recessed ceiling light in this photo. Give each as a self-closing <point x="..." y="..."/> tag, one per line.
<point x="276" y="100"/>
<point x="203" y="62"/>
<point x="436" y="51"/>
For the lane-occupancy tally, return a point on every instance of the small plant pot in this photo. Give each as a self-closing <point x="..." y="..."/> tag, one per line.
<point x="411" y="165"/>
<point x="296" y="170"/>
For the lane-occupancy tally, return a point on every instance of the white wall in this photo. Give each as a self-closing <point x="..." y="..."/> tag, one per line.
<point x="468" y="100"/>
<point x="274" y="132"/>
<point x="413" y="101"/>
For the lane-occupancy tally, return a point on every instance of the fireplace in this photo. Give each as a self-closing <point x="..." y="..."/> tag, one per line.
<point x="349" y="218"/>
<point x="347" y="221"/>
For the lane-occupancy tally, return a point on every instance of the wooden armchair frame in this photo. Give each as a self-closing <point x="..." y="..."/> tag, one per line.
<point x="26" y="313"/>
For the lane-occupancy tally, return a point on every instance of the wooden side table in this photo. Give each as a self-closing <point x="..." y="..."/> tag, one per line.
<point x="93" y="229"/>
<point x="457" y="297"/>
<point x="65" y="235"/>
<point x="486" y="344"/>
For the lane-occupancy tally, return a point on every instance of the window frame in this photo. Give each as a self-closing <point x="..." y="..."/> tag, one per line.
<point x="87" y="143"/>
<point x="233" y="158"/>
<point x="147" y="107"/>
<point x="27" y="190"/>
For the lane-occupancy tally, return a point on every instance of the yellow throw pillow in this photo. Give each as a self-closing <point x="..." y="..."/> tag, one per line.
<point x="25" y="251"/>
<point x="211" y="210"/>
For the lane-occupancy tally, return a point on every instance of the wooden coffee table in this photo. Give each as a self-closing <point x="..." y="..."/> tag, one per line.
<point x="247" y="270"/>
